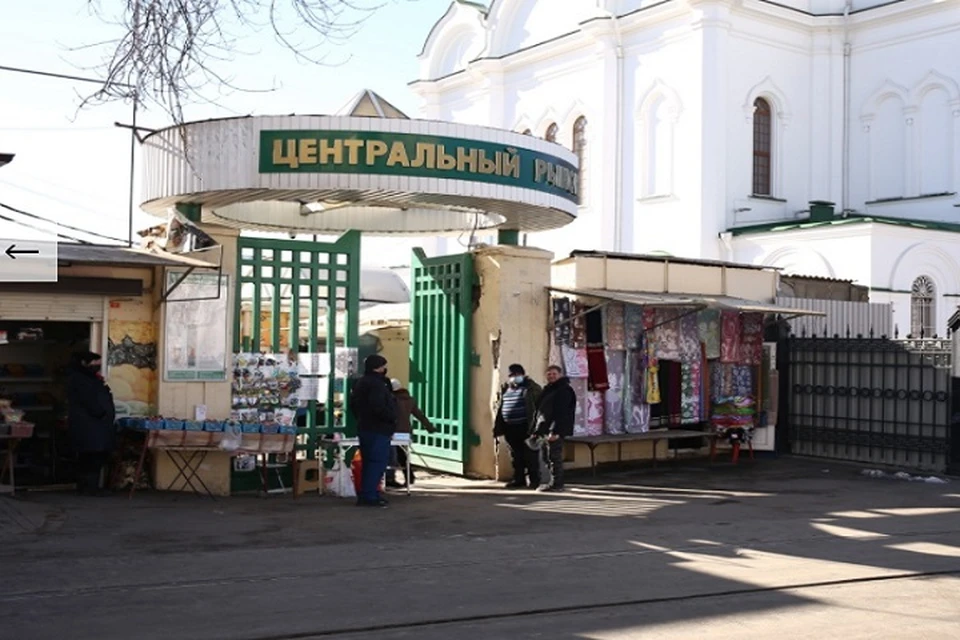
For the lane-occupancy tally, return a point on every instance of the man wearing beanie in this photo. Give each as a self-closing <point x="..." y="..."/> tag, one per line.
<point x="517" y="408"/>
<point x="375" y="408"/>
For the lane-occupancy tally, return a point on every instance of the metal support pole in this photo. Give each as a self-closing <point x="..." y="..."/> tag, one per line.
<point x="133" y="152"/>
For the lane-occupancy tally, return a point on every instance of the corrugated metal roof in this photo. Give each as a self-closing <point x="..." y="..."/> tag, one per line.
<point x="707" y="301"/>
<point x="105" y="254"/>
<point x="648" y="257"/>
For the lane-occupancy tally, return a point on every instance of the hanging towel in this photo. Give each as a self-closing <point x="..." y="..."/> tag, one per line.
<point x="561" y="320"/>
<point x="614" y="322"/>
<point x="595" y="409"/>
<point x="575" y="363"/>
<point x="579" y="387"/>
<point x="633" y="325"/>
<point x="751" y="348"/>
<point x="613" y="417"/>
<point x="667" y="335"/>
<point x="578" y="330"/>
<point x="708" y="322"/>
<point x="649" y="318"/>
<point x="597" y="369"/>
<point x="690" y="407"/>
<point x="689" y="337"/>
<point x="731" y="328"/>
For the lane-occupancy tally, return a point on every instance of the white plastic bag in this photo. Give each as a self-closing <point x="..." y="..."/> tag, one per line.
<point x="339" y="482"/>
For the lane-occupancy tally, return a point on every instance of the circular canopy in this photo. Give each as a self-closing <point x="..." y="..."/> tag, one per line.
<point x="378" y="175"/>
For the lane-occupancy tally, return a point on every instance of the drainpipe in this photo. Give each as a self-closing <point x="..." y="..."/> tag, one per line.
<point x="845" y="202"/>
<point x="726" y="239"/>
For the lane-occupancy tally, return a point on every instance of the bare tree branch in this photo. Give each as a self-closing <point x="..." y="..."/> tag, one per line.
<point x="170" y="51"/>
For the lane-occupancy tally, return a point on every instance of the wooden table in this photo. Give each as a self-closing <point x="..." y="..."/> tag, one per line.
<point x="188" y="449"/>
<point x="649" y="436"/>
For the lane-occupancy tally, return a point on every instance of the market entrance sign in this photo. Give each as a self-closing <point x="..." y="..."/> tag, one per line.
<point x="385" y="154"/>
<point x="332" y="174"/>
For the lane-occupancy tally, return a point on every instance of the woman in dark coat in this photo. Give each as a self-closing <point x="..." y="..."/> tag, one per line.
<point x="91" y="416"/>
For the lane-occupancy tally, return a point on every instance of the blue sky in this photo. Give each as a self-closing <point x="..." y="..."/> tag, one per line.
<point x="73" y="166"/>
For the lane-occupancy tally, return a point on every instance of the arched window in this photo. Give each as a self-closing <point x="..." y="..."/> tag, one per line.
<point x="762" y="145"/>
<point x="527" y="132"/>
<point x="580" y="148"/>
<point x="551" y="134"/>
<point x="923" y="307"/>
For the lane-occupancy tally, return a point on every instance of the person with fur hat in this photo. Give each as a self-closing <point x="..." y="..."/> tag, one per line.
<point x="406" y="407"/>
<point x="375" y="408"/>
<point x="516" y="410"/>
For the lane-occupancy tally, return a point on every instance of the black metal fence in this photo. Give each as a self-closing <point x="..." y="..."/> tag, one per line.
<point x="871" y="400"/>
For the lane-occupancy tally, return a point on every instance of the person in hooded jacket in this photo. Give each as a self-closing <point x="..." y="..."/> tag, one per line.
<point x="373" y="404"/>
<point x="406" y="407"/>
<point x="556" y="414"/>
<point x="91" y="414"/>
<point x="516" y="411"/>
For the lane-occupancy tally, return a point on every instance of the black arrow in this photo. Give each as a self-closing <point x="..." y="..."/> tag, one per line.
<point x="12" y="251"/>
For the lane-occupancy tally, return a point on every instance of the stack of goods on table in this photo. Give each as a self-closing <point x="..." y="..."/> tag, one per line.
<point x="159" y="423"/>
<point x="11" y="421"/>
<point x="733" y="418"/>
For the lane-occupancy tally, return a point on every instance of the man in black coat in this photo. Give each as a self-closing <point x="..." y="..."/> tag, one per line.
<point x="556" y="414"/>
<point x="373" y="403"/>
<point x="91" y="414"/>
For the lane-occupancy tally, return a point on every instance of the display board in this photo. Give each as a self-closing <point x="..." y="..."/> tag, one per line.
<point x="195" y="328"/>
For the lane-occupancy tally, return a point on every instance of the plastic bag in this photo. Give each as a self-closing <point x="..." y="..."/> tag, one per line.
<point x="339" y="482"/>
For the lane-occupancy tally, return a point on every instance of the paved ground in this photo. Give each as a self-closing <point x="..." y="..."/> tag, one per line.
<point x="780" y="547"/>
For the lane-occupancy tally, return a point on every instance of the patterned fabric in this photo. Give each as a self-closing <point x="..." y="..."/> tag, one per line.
<point x="653" y="384"/>
<point x="556" y="355"/>
<point x="579" y="387"/>
<point x="614" y="321"/>
<point x="708" y="322"/>
<point x="578" y="327"/>
<point x="689" y="337"/>
<point x="729" y="380"/>
<point x="731" y="336"/>
<point x="751" y="347"/>
<point x="513" y="405"/>
<point x="639" y="419"/>
<point x="691" y="409"/>
<point x="667" y="335"/>
<point x="633" y="325"/>
<point x="595" y="409"/>
<point x="575" y="363"/>
<point x="613" y="399"/>
<point x="561" y="320"/>
<point x="649" y="318"/>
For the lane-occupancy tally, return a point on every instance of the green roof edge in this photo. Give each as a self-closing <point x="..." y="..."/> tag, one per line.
<point x="803" y="225"/>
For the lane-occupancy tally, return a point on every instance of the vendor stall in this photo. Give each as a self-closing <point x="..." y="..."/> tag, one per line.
<point x="644" y="361"/>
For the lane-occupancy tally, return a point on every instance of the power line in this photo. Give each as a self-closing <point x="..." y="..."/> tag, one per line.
<point x="65" y="226"/>
<point x="35" y="228"/>
<point x="62" y="76"/>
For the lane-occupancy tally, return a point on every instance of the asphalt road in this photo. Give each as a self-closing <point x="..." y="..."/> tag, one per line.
<point x="785" y="548"/>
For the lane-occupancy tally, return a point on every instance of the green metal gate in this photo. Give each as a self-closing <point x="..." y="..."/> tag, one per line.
<point x="440" y="357"/>
<point x="302" y="297"/>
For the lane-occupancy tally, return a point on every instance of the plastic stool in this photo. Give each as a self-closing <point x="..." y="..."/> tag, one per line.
<point x="307" y="476"/>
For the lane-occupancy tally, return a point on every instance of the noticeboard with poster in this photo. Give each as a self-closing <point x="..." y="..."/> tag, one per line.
<point x="195" y="327"/>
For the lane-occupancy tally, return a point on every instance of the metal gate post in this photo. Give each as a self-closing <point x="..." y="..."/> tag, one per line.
<point x="953" y="435"/>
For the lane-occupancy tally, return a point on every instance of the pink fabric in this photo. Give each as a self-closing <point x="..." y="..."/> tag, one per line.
<point x="751" y="347"/>
<point x="649" y="318"/>
<point x="731" y="337"/>
<point x="580" y="418"/>
<point x="594" y="417"/>
<point x="575" y="362"/>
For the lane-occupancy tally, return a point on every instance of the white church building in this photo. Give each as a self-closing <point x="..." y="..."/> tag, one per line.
<point x="707" y="127"/>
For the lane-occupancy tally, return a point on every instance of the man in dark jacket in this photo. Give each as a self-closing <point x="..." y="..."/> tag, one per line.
<point x="556" y="414"/>
<point x="91" y="416"/>
<point x="372" y="402"/>
<point x="516" y="410"/>
<point x="406" y="407"/>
